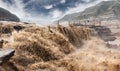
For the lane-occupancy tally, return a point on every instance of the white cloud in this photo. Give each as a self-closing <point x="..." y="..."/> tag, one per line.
<point x="63" y="1"/>
<point x="48" y="6"/>
<point x="86" y="0"/>
<point x="56" y="13"/>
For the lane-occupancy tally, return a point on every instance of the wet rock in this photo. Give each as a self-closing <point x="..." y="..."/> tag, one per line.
<point x="18" y="27"/>
<point x="6" y="30"/>
<point x="5" y="55"/>
<point x="104" y="33"/>
<point x="111" y="45"/>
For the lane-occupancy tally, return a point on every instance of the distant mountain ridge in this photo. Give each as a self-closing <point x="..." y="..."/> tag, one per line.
<point x="44" y="9"/>
<point x="5" y="15"/>
<point x="106" y="10"/>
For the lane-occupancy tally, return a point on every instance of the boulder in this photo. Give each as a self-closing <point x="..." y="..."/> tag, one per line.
<point x="18" y="27"/>
<point x="6" y="54"/>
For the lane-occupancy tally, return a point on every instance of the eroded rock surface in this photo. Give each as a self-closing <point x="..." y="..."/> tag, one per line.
<point x="5" y="54"/>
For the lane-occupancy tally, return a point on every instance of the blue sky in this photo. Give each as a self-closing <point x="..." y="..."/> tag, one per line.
<point x="45" y="10"/>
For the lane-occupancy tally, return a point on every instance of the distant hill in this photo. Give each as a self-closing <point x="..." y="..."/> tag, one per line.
<point x="106" y="10"/>
<point x="7" y="16"/>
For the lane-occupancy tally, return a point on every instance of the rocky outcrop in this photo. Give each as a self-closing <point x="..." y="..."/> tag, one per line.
<point x="18" y="28"/>
<point x="105" y="33"/>
<point x="5" y="55"/>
